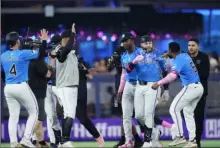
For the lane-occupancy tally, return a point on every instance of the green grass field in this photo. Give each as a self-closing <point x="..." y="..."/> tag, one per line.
<point x="205" y="143"/>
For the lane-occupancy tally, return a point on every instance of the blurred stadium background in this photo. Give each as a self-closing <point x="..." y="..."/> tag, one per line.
<point x="99" y="25"/>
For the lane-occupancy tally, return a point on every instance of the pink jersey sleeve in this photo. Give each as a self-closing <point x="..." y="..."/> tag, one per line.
<point x="122" y="82"/>
<point x="170" y="77"/>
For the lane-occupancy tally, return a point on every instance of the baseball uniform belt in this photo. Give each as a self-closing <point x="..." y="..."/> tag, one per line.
<point x="194" y="83"/>
<point x="21" y="82"/>
<point x="132" y="81"/>
<point x="142" y="82"/>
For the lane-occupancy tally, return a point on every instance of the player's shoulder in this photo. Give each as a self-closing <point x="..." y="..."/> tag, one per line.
<point x="138" y="49"/>
<point x="9" y="52"/>
<point x="4" y="54"/>
<point x="183" y="55"/>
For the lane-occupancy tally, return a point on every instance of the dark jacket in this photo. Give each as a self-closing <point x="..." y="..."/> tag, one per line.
<point x="83" y="68"/>
<point x="203" y="66"/>
<point x="37" y="74"/>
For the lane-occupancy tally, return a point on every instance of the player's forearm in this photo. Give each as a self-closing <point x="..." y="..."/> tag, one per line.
<point x="52" y="62"/>
<point x="42" y="49"/>
<point x="169" y="78"/>
<point x="48" y="74"/>
<point x="66" y="50"/>
<point x="131" y="65"/>
<point x="122" y="82"/>
<point x="50" y="71"/>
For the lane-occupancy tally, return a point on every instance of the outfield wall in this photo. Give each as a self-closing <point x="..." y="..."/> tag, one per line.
<point x="110" y="129"/>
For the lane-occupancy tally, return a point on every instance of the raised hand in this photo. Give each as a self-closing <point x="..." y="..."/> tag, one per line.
<point x="44" y="34"/>
<point x="73" y="28"/>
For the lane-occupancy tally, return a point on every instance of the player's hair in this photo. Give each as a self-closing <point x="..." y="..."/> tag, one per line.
<point x="11" y="39"/>
<point x="194" y="40"/>
<point x="174" y="47"/>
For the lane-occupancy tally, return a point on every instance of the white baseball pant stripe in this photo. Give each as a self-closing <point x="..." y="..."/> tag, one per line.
<point x="144" y="103"/>
<point x="68" y="97"/>
<point x="187" y="100"/>
<point x="127" y="109"/>
<point x="16" y="95"/>
<point x="50" y="109"/>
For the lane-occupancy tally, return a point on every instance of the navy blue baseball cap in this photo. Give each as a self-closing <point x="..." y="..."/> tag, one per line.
<point x="146" y="38"/>
<point x="126" y="36"/>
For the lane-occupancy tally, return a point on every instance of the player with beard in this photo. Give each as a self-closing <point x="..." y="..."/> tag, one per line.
<point x="148" y="45"/>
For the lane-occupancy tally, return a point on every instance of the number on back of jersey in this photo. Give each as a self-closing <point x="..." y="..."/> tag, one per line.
<point x="13" y="70"/>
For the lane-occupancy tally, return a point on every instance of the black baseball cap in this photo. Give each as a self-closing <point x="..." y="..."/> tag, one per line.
<point x="56" y="39"/>
<point x="126" y="36"/>
<point x="146" y="38"/>
<point x="66" y="34"/>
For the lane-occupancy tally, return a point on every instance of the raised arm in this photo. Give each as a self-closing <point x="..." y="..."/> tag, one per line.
<point x="29" y="54"/>
<point x="62" y="53"/>
<point x="43" y="47"/>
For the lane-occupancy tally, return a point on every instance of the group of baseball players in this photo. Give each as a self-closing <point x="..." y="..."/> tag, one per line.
<point x="65" y="72"/>
<point x="142" y="84"/>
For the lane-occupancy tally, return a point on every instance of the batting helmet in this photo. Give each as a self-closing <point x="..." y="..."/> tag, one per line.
<point x="11" y="38"/>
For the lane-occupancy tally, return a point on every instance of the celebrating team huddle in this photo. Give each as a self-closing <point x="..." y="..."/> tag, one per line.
<point x="142" y="85"/>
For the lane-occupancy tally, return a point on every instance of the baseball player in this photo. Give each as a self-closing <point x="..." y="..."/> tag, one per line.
<point x="17" y="91"/>
<point x="148" y="45"/>
<point x="187" y="98"/>
<point x="149" y="70"/>
<point x="127" y="86"/>
<point x="115" y="61"/>
<point x="53" y="127"/>
<point x="67" y="81"/>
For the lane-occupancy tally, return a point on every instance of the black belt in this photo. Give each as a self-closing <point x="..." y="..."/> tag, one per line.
<point x="132" y="81"/>
<point x="193" y="83"/>
<point x="142" y="82"/>
<point x="21" y="82"/>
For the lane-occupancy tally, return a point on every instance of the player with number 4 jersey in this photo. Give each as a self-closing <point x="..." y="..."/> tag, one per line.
<point x="17" y="91"/>
<point x="187" y="98"/>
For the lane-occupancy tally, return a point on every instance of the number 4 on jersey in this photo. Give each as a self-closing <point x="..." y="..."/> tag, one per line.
<point x="13" y="70"/>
